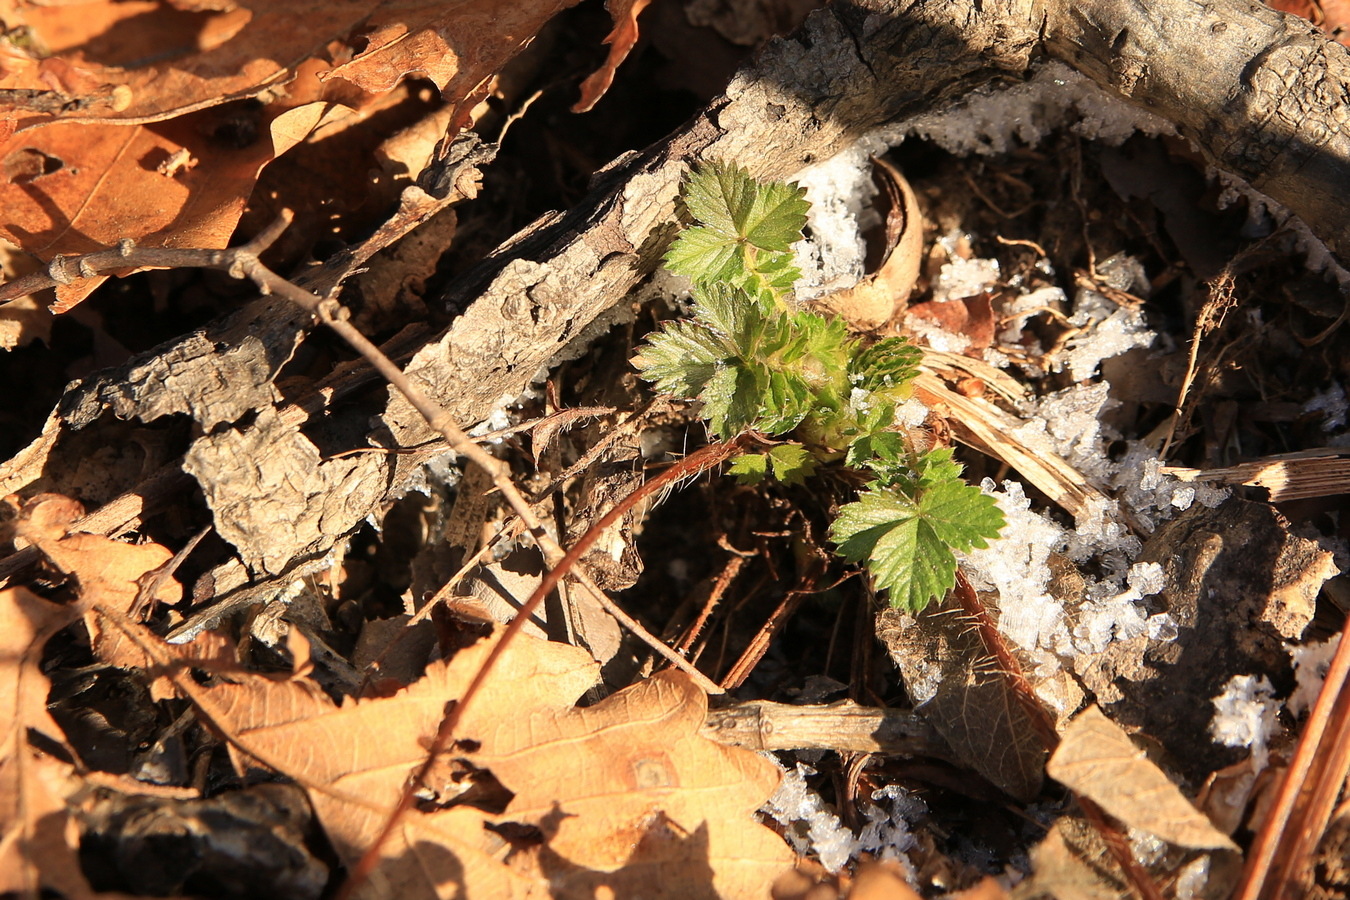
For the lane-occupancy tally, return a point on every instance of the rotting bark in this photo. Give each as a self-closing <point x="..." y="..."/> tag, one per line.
<point x="1265" y="101"/>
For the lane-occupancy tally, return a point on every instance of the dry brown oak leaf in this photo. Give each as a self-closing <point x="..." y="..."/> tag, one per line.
<point x="537" y="797"/>
<point x="38" y="843"/>
<point x="97" y="145"/>
<point x="112" y="577"/>
<point x="1096" y="759"/>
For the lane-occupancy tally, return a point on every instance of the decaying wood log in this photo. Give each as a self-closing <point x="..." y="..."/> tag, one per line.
<point x="1262" y="95"/>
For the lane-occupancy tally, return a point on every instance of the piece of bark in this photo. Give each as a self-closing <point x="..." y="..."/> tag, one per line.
<point x="843" y="726"/>
<point x="1262" y="94"/>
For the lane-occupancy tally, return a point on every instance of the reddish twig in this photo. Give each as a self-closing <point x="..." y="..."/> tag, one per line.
<point x="692" y="465"/>
<point x="1281" y="849"/>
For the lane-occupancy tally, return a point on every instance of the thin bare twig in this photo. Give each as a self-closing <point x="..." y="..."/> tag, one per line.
<point x="244" y="262"/>
<point x="697" y="462"/>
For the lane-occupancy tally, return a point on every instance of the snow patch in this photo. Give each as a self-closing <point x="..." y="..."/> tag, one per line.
<point x="811" y="828"/>
<point x="1311" y="662"/>
<point x="1246" y="714"/>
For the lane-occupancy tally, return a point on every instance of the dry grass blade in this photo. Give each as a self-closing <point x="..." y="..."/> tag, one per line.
<point x="1286" y="476"/>
<point x="988" y="429"/>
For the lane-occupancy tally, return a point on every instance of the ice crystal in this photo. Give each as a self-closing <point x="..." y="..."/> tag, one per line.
<point x="1246" y="715"/>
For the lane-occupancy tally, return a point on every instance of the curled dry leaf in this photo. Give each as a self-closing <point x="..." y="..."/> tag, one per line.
<point x="37" y="849"/>
<point x="621" y="40"/>
<point x="875" y="299"/>
<point x="1097" y="759"/>
<point x="625" y="794"/>
<point x="110" y="575"/>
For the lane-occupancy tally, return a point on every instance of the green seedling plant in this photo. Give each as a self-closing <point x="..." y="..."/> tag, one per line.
<point x="757" y="361"/>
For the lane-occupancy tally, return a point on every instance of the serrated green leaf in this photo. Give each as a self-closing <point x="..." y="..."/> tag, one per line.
<point x="775" y="272"/>
<point x="886" y="365"/>
<point x="960" y="515"/>
<point x="877" y="449"/>
<point x="937" y="467"/>
<point x="726" y="309"/>
<point x="681" y="359"/>
<point x="907" y="544"/>
<point x="730" y="401"/>
<point x="767" y="215"/>
<point x="792" y="463"/>
<point x="749" y="468"/>
<point x="705" y="255"/>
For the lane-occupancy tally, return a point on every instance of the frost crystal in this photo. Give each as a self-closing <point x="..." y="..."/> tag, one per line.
<point x="811" y="828"/>
<point x="1108" y="330"/>
<point x="833" y="256"/>
<point x="1311" y="662"/>
<point x="1246" y="715"/>
<point x="1017" y="566"/>
<point x="992" y="121"/>
<point x="963" y="278"/>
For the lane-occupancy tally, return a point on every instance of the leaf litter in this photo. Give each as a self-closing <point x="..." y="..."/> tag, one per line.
<point x="1090" y="585"/>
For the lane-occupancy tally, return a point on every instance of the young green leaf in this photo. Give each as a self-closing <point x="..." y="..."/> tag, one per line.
<point x="766" y="215"/>
<point x="907" y="544"/>
<point x="705" y="255"/>
<point x="749" y="468"/>
<point x="682" y="359"/>
<point x="792" y="463"/>
<point x="756" y="363"/>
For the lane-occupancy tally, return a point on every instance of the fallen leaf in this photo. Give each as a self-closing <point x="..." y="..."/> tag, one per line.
<point x="625" y="793"/>
<point x="38" y="848"/>
<point x="458" y="46"/>
<point x="882" y="881"/>
<point x="1058" y="872"/>
<point x="875" y="299"/>
<point x="201" y="60"/>
<point x="1097" y="759"/>
<point x="76" y="188"/>
<point x="971" y="317"/>
<point x="23" y="321"/>
<point x="108" y="571"/>
<point x="621" y="40"/>
<point x="953" y="682"/>
<point x="109" y="574"/>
